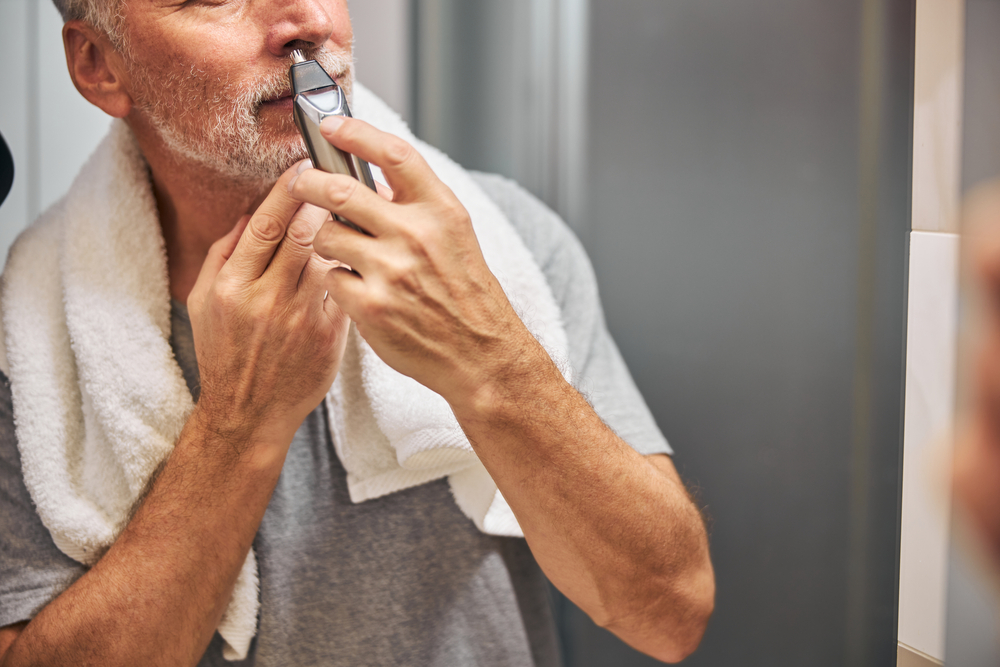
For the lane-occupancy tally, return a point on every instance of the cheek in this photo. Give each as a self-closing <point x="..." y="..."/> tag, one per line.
<point x="343" y="34"/>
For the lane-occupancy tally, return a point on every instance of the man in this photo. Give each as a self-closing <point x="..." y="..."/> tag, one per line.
<point x="404" y="579"/>
<point x="976" y="473"/>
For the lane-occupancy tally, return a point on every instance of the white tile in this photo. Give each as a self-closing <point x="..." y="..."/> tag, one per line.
<point x="937" y="114"/>
<point x="930" y="396"/>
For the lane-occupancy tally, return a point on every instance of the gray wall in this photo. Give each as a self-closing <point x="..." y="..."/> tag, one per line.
<point x="747" y="212"/>
<point x="50" y="128"/>
<point x="973" y="617"/>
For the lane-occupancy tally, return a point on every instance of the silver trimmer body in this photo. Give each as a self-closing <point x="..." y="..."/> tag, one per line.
<point x="316" y="96"/>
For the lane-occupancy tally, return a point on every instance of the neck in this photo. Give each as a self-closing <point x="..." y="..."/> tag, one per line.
<point x="197" y="206"/>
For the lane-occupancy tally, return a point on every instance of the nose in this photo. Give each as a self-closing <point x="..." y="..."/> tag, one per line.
<point x="300" y="24"/>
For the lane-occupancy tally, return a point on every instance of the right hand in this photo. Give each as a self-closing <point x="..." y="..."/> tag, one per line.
<point x="268" y="340"/>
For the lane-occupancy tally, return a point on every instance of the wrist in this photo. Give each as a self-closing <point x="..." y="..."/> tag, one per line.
<point x="235" y="441"/>
<point x="523" y="380"/>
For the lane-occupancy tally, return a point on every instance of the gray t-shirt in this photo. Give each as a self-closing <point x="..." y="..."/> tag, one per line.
<point x="405" y="579"/>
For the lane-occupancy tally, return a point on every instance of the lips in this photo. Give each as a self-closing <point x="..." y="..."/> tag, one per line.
<point x="283" y="102"/>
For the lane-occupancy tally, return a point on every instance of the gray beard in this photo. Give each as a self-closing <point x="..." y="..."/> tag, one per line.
<point x="222" y="130"/>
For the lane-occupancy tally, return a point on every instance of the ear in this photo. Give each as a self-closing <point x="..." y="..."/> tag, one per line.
<point x="96" y="69"/>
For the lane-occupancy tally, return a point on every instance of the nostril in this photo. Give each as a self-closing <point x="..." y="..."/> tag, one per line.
<point x="300" y="45"/>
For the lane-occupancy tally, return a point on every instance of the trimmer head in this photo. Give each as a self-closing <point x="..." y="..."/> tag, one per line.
<point x="307" y="75"/>
<point x="315" y="96"/>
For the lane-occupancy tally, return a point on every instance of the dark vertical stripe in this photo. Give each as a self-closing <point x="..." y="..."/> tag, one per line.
<point x="871" y="79"/>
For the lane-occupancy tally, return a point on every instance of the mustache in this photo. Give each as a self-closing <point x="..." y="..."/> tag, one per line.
<point x="276" y="84"/>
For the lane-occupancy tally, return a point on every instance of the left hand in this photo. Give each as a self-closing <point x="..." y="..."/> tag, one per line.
<point x="420" y="291"/>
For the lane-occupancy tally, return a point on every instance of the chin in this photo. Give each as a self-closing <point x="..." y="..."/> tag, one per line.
<point x="273" y="156"/>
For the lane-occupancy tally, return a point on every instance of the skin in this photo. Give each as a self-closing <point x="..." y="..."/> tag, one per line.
<point x="976" y="470"/>
<point x="614" y="530"/>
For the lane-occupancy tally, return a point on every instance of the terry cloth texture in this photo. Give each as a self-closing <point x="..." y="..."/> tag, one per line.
<point x="99" y="399"/>
<point x="402" y="579"/>
<point x="390" y="431"/>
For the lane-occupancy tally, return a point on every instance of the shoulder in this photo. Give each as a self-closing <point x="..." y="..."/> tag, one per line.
<point x="553" y="245"/>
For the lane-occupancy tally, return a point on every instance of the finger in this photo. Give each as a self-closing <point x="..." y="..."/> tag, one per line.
<point x="296" y="248"/>
<point x="345" y="196"/>
<point x="312" y="284"/>
<point x="338" y="242"/>
<point x="408" y="174"/>
<point x="265" y="230"/>
<point x="218" y="254"/>
<point x="346" y="289"/>
<point x="333" y="310"/>
<point x="384" y="191"/>
<point x="227" y="244"/>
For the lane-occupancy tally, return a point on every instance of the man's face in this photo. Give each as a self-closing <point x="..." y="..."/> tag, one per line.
<point x="211" y="76"/>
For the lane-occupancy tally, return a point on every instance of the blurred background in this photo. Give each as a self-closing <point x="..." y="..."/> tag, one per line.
<point x="768" y="193"/>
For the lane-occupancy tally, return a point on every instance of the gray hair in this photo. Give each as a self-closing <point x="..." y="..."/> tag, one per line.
<point x="104" y="15"/>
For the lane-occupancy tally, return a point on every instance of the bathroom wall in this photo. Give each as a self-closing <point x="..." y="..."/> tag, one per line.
<point x="746" y="204"/>
<point x="50" y="128"/>
<point x="932" y="327"/>
<point x="382" y="49"/>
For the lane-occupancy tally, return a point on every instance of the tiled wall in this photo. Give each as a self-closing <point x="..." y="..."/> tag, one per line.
<point x="931" y="325"/>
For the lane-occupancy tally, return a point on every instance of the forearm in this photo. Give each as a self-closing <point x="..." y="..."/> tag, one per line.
<point x="613" y="530"/>
<point x="157" y="595"/>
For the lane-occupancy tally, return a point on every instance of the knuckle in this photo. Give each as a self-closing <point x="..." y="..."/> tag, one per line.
<point x="294" y="319"/>
<point x="324" y="242"/>
<point x="300" y="232"/>
<point x="266" y="227"/>
<point x="406" y="282"/>
<point x="420" y="239"/>
<point x="340" y="190"/>
<point x="261" y="313"/>
<point x="226" y="294"/>
<point x="453" y="210"/>
<point x="397" y="152"/>
<point x="376" y="307"/>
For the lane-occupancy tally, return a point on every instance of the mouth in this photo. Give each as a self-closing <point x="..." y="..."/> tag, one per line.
<point x="282" y="102"/>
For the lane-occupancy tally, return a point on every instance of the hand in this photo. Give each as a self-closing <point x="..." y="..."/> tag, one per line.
<point x="268" y="341"/>
<point x="976" y="471"/>
<point x="420" y="291"/>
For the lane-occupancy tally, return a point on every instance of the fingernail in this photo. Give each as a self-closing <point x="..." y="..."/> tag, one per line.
<point x="305" y="164"/>
<point x="291" y="183"/>
<point x="331" y="123"/>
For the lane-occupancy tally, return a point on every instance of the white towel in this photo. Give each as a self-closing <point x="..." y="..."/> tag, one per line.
<point x="99" y="399"/>
<point x="392" y="432"/>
